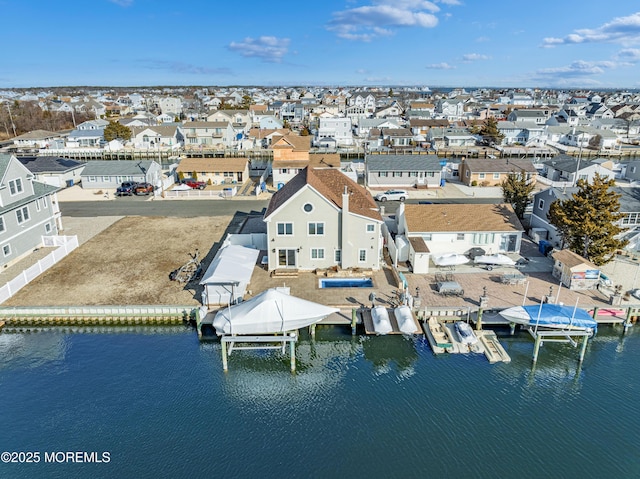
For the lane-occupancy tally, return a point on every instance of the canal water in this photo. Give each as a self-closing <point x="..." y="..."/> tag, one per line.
<point x="154" y="402"/>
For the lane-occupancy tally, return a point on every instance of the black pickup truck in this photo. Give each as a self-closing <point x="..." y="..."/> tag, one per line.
<point x="126" y="188"/>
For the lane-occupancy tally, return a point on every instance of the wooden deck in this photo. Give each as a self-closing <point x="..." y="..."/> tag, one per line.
<point x="366" y="319"/>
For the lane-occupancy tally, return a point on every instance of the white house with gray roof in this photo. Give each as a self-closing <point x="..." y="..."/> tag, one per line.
<point x="109" y="174"/>
<point x="28" y="210"/>
<point x="407" y="171"/>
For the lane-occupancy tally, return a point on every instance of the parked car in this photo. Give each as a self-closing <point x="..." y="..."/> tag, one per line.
<point x="193" y="183"/>
<point x="143" y="189"/>
<point x="126" y="188"/>
<point x="392" y="195"/>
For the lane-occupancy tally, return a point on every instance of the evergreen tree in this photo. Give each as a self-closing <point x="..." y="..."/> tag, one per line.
<point x="516" y="190"/>
<point x="489" y="131"/>
<point x="587" y="222"/>
<point x="115" y="130"/>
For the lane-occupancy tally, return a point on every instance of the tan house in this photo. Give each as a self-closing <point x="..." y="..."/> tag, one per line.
<point x="290" y="156"/>
<point x="322" y="219"/>
<point x="492" y="172"/>
<point x="574" y="271"/>
<point x="215" y="171"/>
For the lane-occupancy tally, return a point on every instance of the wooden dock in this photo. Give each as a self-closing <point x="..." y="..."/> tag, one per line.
<point x="367" y="320"/>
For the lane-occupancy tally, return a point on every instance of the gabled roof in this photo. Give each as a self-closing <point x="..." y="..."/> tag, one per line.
<point x="49" y="164"/>
<point x="403" y="163"/>
<point x="294" y="142"/>
<point x="461" y="218"/>
<point x="37" y="135"/>
<point x="499" y="165"/>
<point x="212" y="165"/>
<point x="162" y="130"/>
<point x="330" y="183"/>
<point x="116" y="167"/>
<point x="571" y="259"/>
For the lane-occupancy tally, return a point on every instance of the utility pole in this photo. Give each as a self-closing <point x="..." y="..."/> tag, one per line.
<point x="13" y="126"/>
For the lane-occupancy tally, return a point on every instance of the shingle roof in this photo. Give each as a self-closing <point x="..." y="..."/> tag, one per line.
<point x="46" y="164"/>
<point x="115" y="167"/>
<point x="36" y="135"/>
<point x="499" y="165"/>
<point x="330" y="183"/>
<point x="571" y="259"/>
<point x="461" y="218"/>
<point x="403" y="163"/>
<point x="298" y="143"/>
<point x="212" y="165"/>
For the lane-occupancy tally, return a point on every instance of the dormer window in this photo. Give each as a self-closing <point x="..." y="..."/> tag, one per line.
<point x="15" y="186"/>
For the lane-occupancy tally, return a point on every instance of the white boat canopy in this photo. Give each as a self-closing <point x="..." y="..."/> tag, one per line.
<point x="228" y="274"/>
<point x="272" y="311"/>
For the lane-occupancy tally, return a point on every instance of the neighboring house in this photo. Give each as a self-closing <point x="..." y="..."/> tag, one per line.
<point x="629" y="200"/>
<point x="109" y="174"/>
<point x="28" y="210"/>
<point x="217" y="171"/>
<point x="35" y="139"/>
<point x="486" y="172"/>
<point x="53" y="170"/>
<point x="449" y="228"/>
<point x="365" y="125"/>
<point x="218" y="134"/>
<point x="397" y="137"/>
<point x="570" y="170"/>
<point x="539" y="117"/>
<point x="334" y="132"/>
<point x="322" y="219"/>
<point x="407" y="171"/>
<point x="290" y="156"/>
<point x="155" y="136"/>
<point x="574" y="271"/>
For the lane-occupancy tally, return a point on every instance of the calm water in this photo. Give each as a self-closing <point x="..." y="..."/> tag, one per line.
<point x="158" y="402"/>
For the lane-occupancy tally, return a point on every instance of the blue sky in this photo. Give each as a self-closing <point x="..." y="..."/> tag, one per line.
<point x="503" y="43"/>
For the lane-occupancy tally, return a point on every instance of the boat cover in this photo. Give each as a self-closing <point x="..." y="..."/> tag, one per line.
<point x="494" y="259"/>
<point x="450" y="259"/>
<point x="272" y="311"/>
<point x="404" y="317"/>
<point x="551" y="316"/>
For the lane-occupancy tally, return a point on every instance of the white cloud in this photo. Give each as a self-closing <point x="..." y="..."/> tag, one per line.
<point x="482" y="39"/>
<point x="623" y="30"/>
<point x="629" y="54"/>
<point x="379" y="19"/>
<point x="472" y="57"/>
<point x="448" y="2"/>
<point x="269" y="49"/>
<point x="440" y="66"/>
<point x="122" y="3"/>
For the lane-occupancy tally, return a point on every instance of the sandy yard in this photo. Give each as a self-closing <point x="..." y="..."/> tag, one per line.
<point x="128" y="263"/>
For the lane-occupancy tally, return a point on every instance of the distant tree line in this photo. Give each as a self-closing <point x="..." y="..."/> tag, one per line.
<point x="28" y="116"/>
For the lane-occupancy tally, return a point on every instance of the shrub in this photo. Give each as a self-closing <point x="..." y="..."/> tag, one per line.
<point x="474" y="183"/>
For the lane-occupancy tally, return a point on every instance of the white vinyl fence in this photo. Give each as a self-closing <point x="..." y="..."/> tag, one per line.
<point x="66" y="245"/>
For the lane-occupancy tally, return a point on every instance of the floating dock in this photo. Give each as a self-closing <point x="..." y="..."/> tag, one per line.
<point x="367" y="320"/>
<point x="443" y="339"/>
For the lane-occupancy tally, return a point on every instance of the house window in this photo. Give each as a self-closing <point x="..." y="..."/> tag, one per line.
<point x="466" y="173"/>
<point x="2" y="228"/>
<point x="15" y="186"/>
<point x="316" y="229"/>
<point x="483" y="238"/>
<point x="633" y="169"/>
<point x="481" y="176"/>
<point x="371" y="228"/>
<point x="382" y="174"/>
<point x="285" y="229"/>
<point x="496" y="176"/>
<point x="22" y="214"/>
<point x="337" y="256"/>
<point x="47" y="228"/>
<point x="429" y="174"/>
<point x="413" y="174"/>
<point x="362" y="255"/>
<point x="284" y="171"/>
<point x="397" y="174"/>
<point x="317" y="253"/>
<point x="460" y="237"/>
<point x="308" y="207"/>
<point x="44" y="202"/>
<point x="106" y="179"/>
<point x="92" y="179"/>
<point x="38" y="204"/>
<point x="541" y="204"/>
<point x="6" y="250"/>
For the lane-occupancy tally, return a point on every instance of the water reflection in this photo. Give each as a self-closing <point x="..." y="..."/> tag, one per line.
<point x="383" y="351"/>
<point x="31" y="350"/>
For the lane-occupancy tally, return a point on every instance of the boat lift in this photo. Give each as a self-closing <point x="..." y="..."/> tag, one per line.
<point x="265" y="342"/>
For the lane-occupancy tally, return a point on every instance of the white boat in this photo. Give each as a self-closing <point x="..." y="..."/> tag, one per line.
<point x="270" y="312"/>
<point x="404" y="317"/>
<point x="494" y="259"/>
<point x="450" y="259"/>
<point x="465" y="333"/>
<point x="553" y="316"/>
<point x="381" y="323"/>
